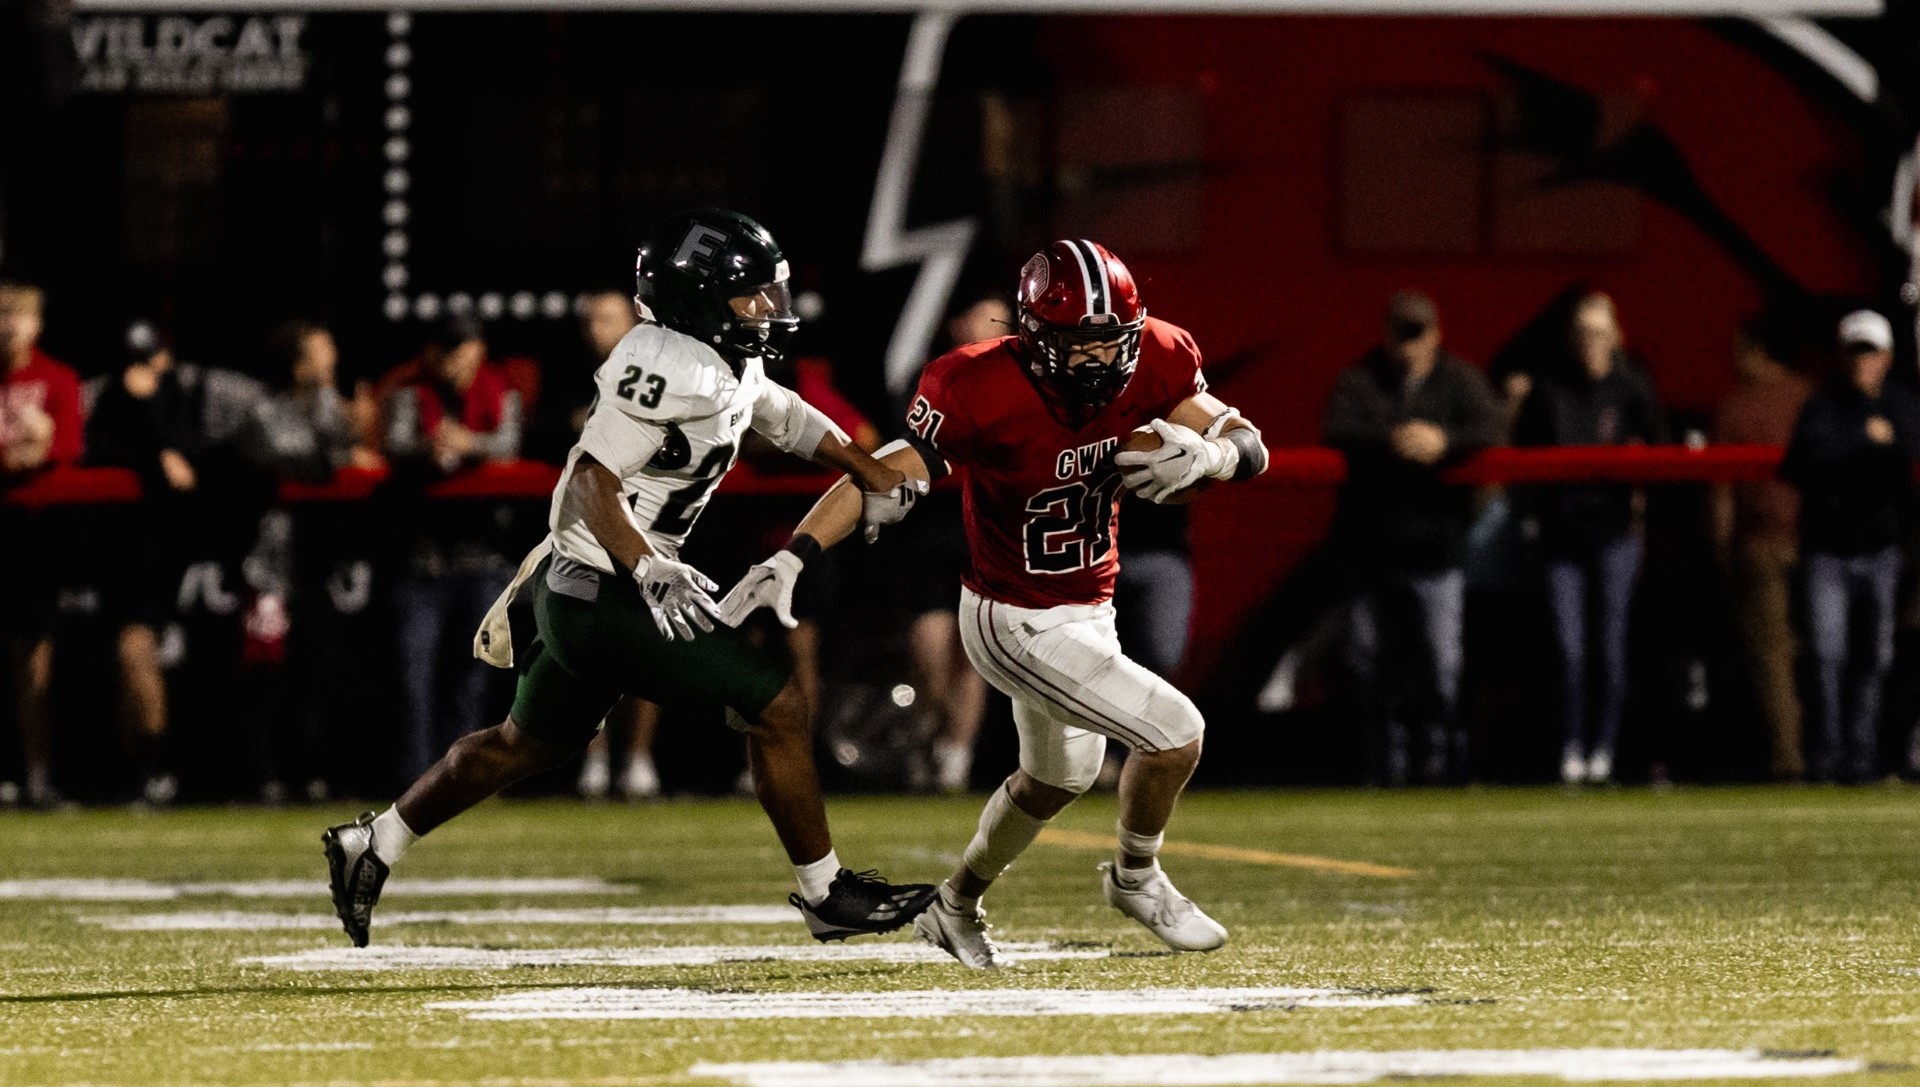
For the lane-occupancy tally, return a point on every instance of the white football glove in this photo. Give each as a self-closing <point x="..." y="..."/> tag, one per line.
<point x="768" y="584"/>
<point x="1183" y="457"/>
<point x="677" y="593"/>
<point x="881" y="508"/>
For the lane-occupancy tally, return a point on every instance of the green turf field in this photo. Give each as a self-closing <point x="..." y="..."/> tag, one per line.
<point x="1533" y="920"/>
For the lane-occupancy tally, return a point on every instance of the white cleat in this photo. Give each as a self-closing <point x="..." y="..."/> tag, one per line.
<point x="1167" y="913"/>
<point x="962" y="935"/>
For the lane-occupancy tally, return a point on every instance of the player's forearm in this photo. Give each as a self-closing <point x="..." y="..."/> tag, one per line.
<point x="842" y="455"/>
<point x="595" y="492"/>
<point x="1242" y="454"/>
<point x="837" y="514"/>
<point x="834" y="517"/>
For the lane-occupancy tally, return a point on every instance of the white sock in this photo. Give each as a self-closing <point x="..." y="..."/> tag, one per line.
<point x="392" y="837"/>
<point x="1136" y="845"/>
<point x="1005" y="833"/>
<point x="816" y="879"/>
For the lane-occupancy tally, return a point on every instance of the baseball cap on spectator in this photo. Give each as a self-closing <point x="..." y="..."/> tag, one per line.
<point x="1865" y="330"/>
<point x="455" y="329"/>
<point x="144" y="339"/>
<point x="1410" y="314"/>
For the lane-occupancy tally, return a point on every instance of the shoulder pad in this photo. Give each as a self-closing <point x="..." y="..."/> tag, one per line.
<point x="656" y="373"/>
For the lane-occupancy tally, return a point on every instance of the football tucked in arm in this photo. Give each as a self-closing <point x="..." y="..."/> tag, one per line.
<point x="1145" y="440"/>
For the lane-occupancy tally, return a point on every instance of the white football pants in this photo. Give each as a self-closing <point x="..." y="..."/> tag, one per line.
<point x="1072" y="687"/>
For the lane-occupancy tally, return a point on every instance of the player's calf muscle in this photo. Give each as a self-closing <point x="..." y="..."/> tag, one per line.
<point x="788" y="716"/>
<point x="505" y="747"/>
<point x="473" y="769"/>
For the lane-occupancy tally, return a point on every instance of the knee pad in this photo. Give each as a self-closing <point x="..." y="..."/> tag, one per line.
<point x="1073" y="765"/>
<point x="1176" y="719"/>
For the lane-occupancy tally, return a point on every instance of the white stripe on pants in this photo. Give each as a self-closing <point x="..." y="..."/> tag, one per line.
<point x="1072" y="687"/>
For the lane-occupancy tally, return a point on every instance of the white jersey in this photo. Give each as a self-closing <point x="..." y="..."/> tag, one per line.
<point x="667" y="419"/>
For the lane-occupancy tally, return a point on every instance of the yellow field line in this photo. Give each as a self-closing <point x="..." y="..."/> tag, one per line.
<point x="1080" y="839"/>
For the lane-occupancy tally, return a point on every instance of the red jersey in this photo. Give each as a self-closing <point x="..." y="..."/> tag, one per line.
<point x="48" y="386"/>
<point x="1042" y="500"/>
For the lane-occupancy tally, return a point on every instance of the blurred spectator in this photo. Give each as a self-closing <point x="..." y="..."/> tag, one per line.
<point x="1154" y="594"/>
<point x="1852" y="458"/>
<point x="1400" y="415"/>
<point x="39" y="395"/>
<point x="933" y="541"/>
<point x="145" y="418"/>
<point x="308" y="431"/>
<point x="1587" y="532"/>
<point x="451" y="405"/>
<point x="816" y="596"/>
<point x="568" y="391"/>
<point x="605" y="319"/>
<point x="39" y="427"/>
<point x="632" y="723"/>
<point x="457" y="411"/>
<point x="1755" y="527"/>
<point x="604" y="322"/>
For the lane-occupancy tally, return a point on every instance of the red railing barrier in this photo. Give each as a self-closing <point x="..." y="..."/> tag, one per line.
<point x="1298" y="467"/>
<point x="69" y="486"/>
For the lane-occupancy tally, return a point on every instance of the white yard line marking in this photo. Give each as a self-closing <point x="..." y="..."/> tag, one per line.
<point x="1234" y="1070"/>
<point x="86" y="890"/>
<point x="484" y="958"/>
<point x="140" y="890"/>
<point x="628" y="1003"/>
<point x="286" y="1047"/>
<point x="240" y="921"/>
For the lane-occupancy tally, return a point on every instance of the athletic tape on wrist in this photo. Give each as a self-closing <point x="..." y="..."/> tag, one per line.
<point x="1253" y="452"/>
<point x="804" y="547"/>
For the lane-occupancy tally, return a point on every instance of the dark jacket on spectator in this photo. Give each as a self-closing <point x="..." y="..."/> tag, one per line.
<point x="1855" y="493"/>
<point x="1394" y="512"/>
<point x="194" y="411"/>
<point x="1571" y="408"/>
<point x="125" y="431"/>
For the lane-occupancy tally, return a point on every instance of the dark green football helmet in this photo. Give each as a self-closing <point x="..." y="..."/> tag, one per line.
<point x="719" y="277"/>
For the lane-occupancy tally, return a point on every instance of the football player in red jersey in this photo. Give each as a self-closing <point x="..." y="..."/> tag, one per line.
<point x="1032" y="423"/>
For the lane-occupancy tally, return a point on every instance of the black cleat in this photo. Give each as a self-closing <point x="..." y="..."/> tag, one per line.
<point x="355" y="874"/>
<point x="859" y="903"/>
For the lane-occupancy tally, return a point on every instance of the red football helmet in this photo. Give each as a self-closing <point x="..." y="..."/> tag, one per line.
<point x="1079" y="318"/>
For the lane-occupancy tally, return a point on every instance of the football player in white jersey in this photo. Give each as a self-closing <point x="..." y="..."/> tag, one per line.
<point x="619" y="614"/>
